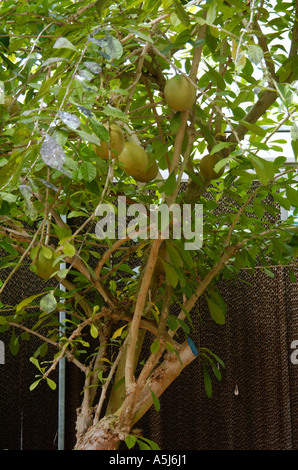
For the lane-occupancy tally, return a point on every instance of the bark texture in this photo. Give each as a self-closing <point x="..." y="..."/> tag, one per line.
<point x="102" y="436"/>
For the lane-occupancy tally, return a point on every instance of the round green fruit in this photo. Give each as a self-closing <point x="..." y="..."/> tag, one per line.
<point x="133" y="160"/>
<point x="179" y="93"/>
<point x="44" y="263"/>
<point x="115" y="145"/>
<point x="150" y="174"/>
<point x="207" y="165"/>
<point x="15" y="109"/>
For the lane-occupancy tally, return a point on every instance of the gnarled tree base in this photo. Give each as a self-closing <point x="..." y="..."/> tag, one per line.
<point x="101" y="436"/>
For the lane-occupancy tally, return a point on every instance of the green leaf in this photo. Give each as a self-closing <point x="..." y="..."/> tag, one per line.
<point x="255" y="53"/>
<point x="292" y="195"/>
<point x="130" y="441"/>
<point x="143" y="445"/>
<point x="34" y="385"/>
<point x="294" y="145"/>
<point x="218" y="147"/>
<point x="89" y="137"/>
<point x="174" y="255"/>
<point x="113" y="47"/>
<point x="217" y="358"/>
<point x="264" y="169"/>
<point x="155" y="346"/>
<point x="216" y="309"/>
<point x="62" y="232"/>
<point x="10" y="172"/>
<point x="282" y="201"/>
<point x="51" y="383"/>
<point x="87" y="171"/>
<point x="211" y="13"/>
<point x="69" y="249"/>
<point x="118" y="332"/>
<point x="93" y="331"/>
<point x="215" y="369"/>
<point x="216" y="78"/>
<point x="46" y="251"/>
<point x="26" y="302"/>
<point x="207" y="382"/>
<point x="187" y="258"/>
<point x="292" y="276"/>
<point x="48" y="303"/>
<point x="169" y="185"/>
<point x="184" y="326"/>
<point x="175" y="123"/>
<point x="76" y="214"/>
<point x="155" y="399"/>
<point x="294" y="131"/>
<point x="36" y="363"/>
<point x="114" y="113"/>
<point x="254" y="128"/>
<point x="100" y="130"/>
<point x="140" y="35"/>
<point x="14" y="345"/>
<point x="170" y="347"/>
<point x="63" y="43"/>
<point x="171" y="273"/>
<point x="181" y="13"/>
<point x="151" y="443"/>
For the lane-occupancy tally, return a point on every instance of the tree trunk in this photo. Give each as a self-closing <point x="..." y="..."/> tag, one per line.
<point x="102" y="436"/>
<point x="107" y="433"/>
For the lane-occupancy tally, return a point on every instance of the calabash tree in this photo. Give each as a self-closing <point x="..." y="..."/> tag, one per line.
<point x="70" y="71"/>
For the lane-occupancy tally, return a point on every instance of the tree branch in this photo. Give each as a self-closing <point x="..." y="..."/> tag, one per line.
<point x="139" y="308"/>
<point x="294" y="43"/>
<point x="190" y="303"/>
<point x="161" y="378"/>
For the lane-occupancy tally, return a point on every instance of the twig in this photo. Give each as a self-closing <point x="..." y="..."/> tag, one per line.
<point x="138" y="75"/>
<point x="21" y="259"/>
<point x="68" y="354"/>
<point x="74" y="334"/>
<point x="157" y="119"/>
<point x="80" y="11"/>
<point x="30" y="53"/>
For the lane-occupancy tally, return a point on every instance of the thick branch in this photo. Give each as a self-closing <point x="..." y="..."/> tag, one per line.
<point x="139" y="308"/>
<point x="162" y="377"/>
<point x="294" y="43"/>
